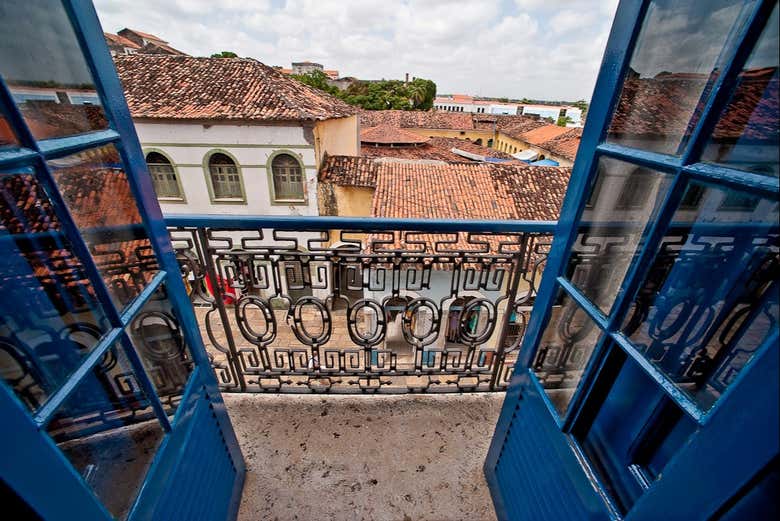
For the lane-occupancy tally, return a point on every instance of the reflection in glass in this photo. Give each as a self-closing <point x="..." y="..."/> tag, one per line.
<point x="99" y="198"/>
<point x="49" y="316"/>
<point x="7" y="137"/>
<point x="159" y="341"/>
<point x="625" y="198"/>
<point x="710" y="297"/>
<point x="746" y="135"/>
<point x="564" y="351"/>
<point x="108" y="432"/>
<point x="635" y="433"/>
<point x="42" y="63"/>
<point x="677" y="58"/>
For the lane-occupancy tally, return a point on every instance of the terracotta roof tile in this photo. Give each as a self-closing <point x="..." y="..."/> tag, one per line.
<point x="418" y="153"/>
<point x="565" y="145"/>
<point x="188" y="88"/>
<point x="387" y="134"/>
<point x="428" y="190"/>
<point x="448" y="143"/>
<point x="541" y="135"/>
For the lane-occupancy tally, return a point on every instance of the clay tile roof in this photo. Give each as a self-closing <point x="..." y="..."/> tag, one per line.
<point x="349" y="171"/>
<point x="541" y="135"/>
<point x="387" y="134"/>
<point x="432" y="190"/>
<point x="425" y="152"/>
<point x="121" y="40"/>
<point x="147" y="36"/>
<point x="469" y="191"/>
<point x="565" y="145"/>
<point x="243" y="89"/>
<point x="448" y="143"/>
<point x="417" y="119"/>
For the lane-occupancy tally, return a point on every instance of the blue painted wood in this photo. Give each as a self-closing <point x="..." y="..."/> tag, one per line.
<point x="683" y="481"/>
<point x="201" y="424"/>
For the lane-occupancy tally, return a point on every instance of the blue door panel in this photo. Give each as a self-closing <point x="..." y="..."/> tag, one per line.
<point x="534" y="469"/>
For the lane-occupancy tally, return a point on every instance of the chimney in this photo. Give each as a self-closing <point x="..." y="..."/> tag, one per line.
<point x="407" y="78"/>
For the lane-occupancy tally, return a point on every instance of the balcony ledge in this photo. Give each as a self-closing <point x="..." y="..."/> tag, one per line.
<point x="365" y="457"/>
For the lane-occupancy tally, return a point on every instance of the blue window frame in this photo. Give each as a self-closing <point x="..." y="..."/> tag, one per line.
<point x="661" y="286"/>
<point x="97" y="333"/>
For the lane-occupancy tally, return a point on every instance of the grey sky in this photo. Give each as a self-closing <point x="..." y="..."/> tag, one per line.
<point x="545" y="49"/>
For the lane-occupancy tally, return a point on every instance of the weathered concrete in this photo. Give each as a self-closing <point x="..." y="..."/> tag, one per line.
<point x="393" y="458"/>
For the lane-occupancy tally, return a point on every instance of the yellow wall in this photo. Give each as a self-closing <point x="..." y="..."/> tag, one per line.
<point x="337" y="137"/>
<point x="354" y="201"/>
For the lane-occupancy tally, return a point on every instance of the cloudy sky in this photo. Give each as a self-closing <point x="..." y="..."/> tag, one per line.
<point x="541" y="49"/>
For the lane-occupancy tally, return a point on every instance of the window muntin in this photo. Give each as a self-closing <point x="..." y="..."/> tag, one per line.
<point x="158" y="338"/>
<point x="42" y="63"/>
<point x="107" y="430"/>
<point x="50" y="319"/>
<point x="288" y="178"/>
<point x="709" y="300"/>
<point x="97" y="192"/>
<point x="635" y="432"/>
<point x="225" y="178"/>
<point x="746" y="135"/>
<point x="625" y="198"/>
<point x="564" y="350"/>
<point x="164" y="179"/>
<point x="662" y="90"/>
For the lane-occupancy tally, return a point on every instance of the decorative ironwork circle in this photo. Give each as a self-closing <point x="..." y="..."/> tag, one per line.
<point x="377" y="334"/>
<point x="413" y="308"/>
<point x="477" y="337"/>
<point x="268" y="333"/>
<point x="299" y="328"/>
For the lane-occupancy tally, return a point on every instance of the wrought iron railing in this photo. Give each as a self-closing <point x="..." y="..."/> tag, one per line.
<point x="323" y="304"/>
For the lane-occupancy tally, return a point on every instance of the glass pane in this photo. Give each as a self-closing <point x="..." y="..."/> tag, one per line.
<point x="564" y="351"/>
<point x="42" y="63"/>
<point x="710" y="297"/>
<point x="635" y="432"/>
<point x="7" y="136"/>
<point x="99" y="198"/>
<point x="159" y="341"/>
<point x="108" y="432"/>
<point x="675" y="62"/>
<point x="624" y="199"/>
<point x="49" y="316"/>
<point x="746" y="136"/>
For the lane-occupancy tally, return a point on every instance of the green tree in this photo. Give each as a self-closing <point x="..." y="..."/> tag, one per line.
<point x="224" y="54"/>
<point x="318" y="80"/>
<point x="563" y="120"/>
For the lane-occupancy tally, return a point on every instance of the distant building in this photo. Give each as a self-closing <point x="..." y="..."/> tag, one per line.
<point x="527" y="138"/>
<point x="130" y="41"/>
<point x="250" y="145"/>
<point x="119" y="45"/>
<point x="464" y="103"/>
<point x="308" y="67"/>
<point x="554" y="112"/>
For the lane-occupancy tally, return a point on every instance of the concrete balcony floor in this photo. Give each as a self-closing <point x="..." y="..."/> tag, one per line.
<point x="384" y="458"/>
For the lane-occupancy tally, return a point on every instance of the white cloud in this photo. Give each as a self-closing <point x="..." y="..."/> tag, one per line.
<point x="548" y="49"/>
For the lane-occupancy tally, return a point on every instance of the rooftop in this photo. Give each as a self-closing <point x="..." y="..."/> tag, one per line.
<point x="387" y="134"/>
<point x="541" y="135"/>
<point x="433" y="190"/>
<point x="233" y="89"/>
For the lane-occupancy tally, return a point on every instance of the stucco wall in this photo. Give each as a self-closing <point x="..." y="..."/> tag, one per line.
<point x="188" y="144"/>
<point x="337" y="137"/>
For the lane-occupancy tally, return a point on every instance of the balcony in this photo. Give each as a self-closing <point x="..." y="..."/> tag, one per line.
<point x="339" y="305"/>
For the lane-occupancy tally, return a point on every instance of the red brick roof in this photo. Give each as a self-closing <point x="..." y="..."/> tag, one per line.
<point x="349" y="171"/>
<point x="541" y="135"/>
<point x="387" y="134"/>
<point x="240" y="89"/>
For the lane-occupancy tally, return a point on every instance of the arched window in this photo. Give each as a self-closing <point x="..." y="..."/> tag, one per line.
<point x="287" y="178"/>
<point x="225" y="179"/>
<point x="163" y="176"/>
